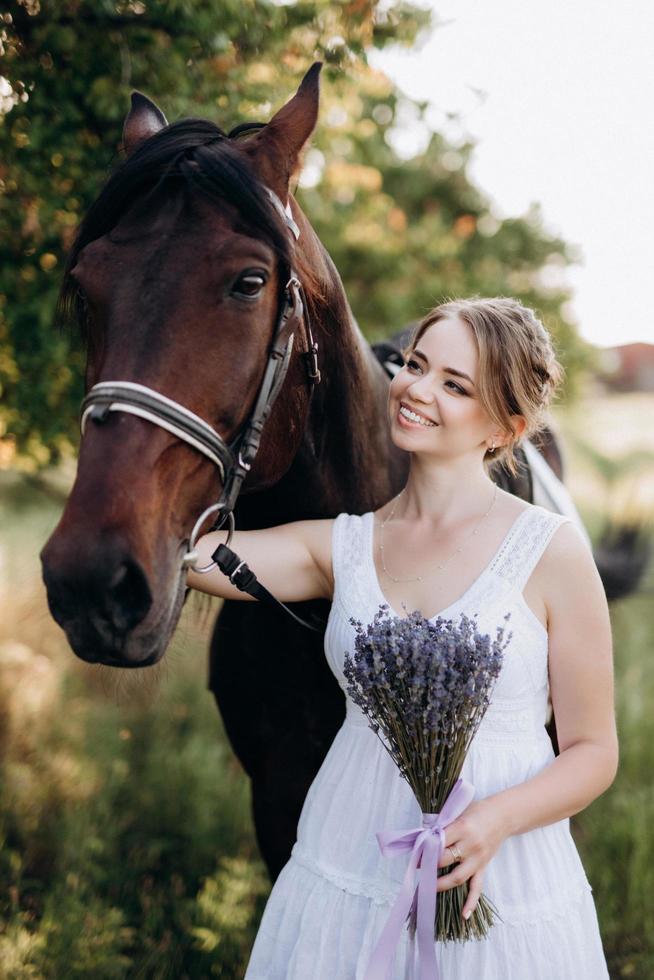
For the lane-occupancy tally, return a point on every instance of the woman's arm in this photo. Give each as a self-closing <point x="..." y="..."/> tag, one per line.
<point x="581" y="685"/>
<point x="293" y="561"/>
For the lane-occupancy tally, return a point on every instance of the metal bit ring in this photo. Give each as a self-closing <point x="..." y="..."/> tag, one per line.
<point x="191" y="556"/>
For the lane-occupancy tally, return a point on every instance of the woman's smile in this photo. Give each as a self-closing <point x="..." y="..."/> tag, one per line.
<point x="410" y="417"/>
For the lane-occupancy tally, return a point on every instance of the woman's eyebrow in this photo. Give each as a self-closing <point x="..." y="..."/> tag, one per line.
<point x="446" y="370"/>
<point x="459" y="374"/>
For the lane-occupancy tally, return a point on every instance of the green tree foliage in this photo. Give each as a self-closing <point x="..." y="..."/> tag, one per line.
<point x="404" y="233"/>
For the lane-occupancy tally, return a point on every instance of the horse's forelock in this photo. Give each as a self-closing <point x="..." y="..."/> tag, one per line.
<point x="190" y="154"/>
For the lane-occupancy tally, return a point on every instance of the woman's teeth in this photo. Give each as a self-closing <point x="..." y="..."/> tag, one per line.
<point x="414" y="417"/>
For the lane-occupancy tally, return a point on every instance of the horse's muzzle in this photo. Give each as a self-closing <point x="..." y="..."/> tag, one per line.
<point x="100" y="597"/>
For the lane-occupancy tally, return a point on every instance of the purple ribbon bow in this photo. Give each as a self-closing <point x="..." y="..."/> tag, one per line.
<point x="426" y="844"/>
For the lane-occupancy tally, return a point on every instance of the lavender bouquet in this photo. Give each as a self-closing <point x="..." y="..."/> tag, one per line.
<point x="424" y="687"/>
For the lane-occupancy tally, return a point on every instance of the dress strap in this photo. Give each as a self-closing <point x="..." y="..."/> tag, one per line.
<point x="348" y="555"/>
<point x="523" y="550"/>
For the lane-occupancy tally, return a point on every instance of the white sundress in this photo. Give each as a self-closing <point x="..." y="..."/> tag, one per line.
<point x="332" y="898"/>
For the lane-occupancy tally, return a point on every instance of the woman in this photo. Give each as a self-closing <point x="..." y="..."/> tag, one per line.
<point x="478" y="376"/>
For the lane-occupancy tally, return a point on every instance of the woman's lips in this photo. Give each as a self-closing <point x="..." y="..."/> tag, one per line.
<point x="409" y="417"/>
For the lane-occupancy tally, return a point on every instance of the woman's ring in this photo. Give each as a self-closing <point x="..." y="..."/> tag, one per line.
<point x="455" y="853"/>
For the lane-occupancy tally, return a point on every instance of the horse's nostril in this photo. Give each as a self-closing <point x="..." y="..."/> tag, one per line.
<point x="118" y="577"/>
<point x="97" y="594"/>
<point x="128" y="596"/>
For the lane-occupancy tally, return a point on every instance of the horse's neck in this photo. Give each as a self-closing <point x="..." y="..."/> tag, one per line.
<point x="346" y="460"/>
<point x="348" y="423"/>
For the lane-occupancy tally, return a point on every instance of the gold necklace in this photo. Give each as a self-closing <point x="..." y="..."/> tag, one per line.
<point x="418" y="578"/>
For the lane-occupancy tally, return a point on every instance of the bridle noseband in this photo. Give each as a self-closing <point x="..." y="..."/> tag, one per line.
<point x="234" y="460"/>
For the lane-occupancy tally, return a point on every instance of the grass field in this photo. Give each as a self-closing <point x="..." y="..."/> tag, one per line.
<point x="126" y="848"/>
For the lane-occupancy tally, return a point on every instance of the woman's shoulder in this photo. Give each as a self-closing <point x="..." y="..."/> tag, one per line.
<point x="352" y="520"/>
<point x="538" y="544"/>
<point x="322" y="534"/>
<point x="559" y="527"/>
<point x="323" y="529"/>
<point x="566" y="576"/>
<point x="537" y="516"/>
<point x="564" y="552"/>
<point x="348" y="533"/>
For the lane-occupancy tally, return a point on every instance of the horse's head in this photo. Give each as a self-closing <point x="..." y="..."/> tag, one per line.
<point x="177" y="278"/>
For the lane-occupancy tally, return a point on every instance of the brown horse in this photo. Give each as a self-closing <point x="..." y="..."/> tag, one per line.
<point x="178" y="280"/>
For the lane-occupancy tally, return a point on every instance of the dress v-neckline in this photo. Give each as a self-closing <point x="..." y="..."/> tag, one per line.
<point x="370" y="557"/>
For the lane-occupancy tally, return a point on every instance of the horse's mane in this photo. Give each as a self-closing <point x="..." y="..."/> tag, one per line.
<point x="191" y="154"/>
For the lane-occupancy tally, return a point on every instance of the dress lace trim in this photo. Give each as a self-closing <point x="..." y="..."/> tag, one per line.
<point x="378" y="893"/>
<point x="519" y="555"/>
<point x="382" y="894"/>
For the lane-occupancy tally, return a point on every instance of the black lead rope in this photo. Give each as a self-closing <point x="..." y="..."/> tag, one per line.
<point x="242" y="576"/>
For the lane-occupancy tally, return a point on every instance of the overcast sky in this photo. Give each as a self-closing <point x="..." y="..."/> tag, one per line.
<point x="559" y="98"/>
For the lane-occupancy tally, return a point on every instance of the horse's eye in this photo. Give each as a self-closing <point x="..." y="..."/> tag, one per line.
<point x="250" y="284"/>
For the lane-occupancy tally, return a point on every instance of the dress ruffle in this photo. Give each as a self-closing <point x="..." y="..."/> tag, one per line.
<point x="318" y="930"/>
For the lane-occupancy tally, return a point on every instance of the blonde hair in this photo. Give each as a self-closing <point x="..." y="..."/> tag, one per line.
<point x="518" y="370"/>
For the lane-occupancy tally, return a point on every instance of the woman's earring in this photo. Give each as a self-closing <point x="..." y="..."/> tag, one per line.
<point x="492" y="448"/>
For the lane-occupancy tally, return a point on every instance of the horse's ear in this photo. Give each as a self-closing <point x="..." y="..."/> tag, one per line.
<point x="279" y="144"/>
<point x="143" y="120"/>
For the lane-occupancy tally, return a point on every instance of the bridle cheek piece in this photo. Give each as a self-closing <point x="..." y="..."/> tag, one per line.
<point x="234" y="461"/>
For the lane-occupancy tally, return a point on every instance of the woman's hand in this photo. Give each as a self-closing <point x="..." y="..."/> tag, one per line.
<point x="476" y="836"/>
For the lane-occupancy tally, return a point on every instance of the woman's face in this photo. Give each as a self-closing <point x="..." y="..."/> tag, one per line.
<point x="434" y="406"/>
